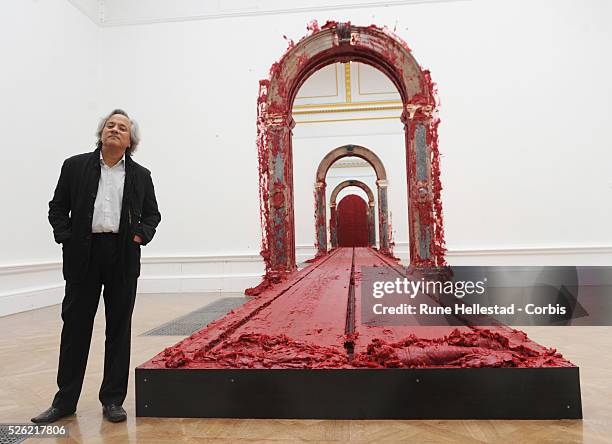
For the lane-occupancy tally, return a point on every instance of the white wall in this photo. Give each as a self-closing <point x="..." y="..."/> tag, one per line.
<point x="47" y="112"/>
<point x="48" y="84"/>
<point x="525" y="107"/>
<point x="526" y="112"/>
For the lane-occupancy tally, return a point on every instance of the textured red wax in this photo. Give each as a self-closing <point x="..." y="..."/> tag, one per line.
<point x="301" y="323"/>
<point x="352" y="222"/>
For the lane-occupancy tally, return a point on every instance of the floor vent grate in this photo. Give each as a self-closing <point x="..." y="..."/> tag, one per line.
<point x="7" y="438"/>
<point x="196" y="320"/>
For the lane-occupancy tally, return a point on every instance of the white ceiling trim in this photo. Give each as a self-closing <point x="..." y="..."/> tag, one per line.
<point x="100" y="16"/>
<point x="92" y="9"/>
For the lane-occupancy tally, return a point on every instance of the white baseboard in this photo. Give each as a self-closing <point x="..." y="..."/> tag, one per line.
<point x="304" y="252"/>
<point x="35" y="285"/>
<point x="25" y="300"/>
<point x="197" y="274"/>
<point x="536" y="256"/>
<point x="28" y="286"/>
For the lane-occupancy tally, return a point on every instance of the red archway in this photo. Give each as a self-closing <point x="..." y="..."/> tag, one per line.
<point x="333" y="220"/>
<point x="381" y="186"/>
<point x="343" y="42"/>
<point x="353" y="230"/>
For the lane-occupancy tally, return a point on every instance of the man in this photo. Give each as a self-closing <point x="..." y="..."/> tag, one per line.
<point x="103" y="210"/>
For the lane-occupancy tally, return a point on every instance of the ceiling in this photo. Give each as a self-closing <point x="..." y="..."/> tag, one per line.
<point x="133" y="12"/>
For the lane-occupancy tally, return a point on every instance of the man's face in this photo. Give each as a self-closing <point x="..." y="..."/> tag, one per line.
<point x="116" y="132"/>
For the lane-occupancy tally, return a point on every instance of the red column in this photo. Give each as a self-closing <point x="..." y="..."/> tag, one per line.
<point x="383" y="211"/>
<point x="320" y="231"/>
<point x="420" y="128"/>
<point x="281" y="229"/>
<point x="371" y="225"/>
<point x="333" y="225"/>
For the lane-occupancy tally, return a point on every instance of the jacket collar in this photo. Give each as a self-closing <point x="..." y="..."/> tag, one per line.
<point x="94" y="160"/>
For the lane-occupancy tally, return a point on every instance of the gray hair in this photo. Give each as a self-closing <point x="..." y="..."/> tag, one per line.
<point x="134" y="131"/>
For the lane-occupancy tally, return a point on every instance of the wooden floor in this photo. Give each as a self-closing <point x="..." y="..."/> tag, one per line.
<point x="29" y="344"/>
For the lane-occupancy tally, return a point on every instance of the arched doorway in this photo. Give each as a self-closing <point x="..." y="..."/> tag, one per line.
<point x="343" y="42"/>
<point x="381" y="185"/>
<point x="333" y="219"/>
<point x="353" y="230"/>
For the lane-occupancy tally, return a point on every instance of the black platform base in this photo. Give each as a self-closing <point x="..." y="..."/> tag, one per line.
<point x="445" y="393"/>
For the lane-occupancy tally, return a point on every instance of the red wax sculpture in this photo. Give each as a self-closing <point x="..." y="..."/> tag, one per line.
<point x="302" y="323"/>
<point x="311" y="318"/>
<point x="308" y="319"/>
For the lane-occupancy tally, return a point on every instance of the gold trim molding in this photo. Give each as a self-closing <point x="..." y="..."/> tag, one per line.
<point x="348" y="120"/>
<point x="352" y="104"/>
<point x="347" y="82"/>
<point x="349" y="110"/>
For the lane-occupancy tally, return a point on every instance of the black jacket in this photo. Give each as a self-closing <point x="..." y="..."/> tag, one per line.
<point x="71" y="213"/>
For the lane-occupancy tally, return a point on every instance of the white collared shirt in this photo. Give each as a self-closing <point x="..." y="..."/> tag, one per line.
<point x="107" y="207"/>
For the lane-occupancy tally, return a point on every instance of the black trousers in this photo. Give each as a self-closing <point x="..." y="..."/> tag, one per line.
<point x="78" y="311"/>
